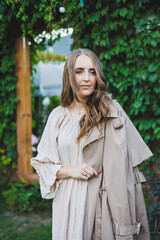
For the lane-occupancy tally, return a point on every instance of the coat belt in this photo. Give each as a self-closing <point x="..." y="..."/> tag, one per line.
<point x="117" y="229"/>
<point x="126" y="230"/>
<point x="104" y="231"/>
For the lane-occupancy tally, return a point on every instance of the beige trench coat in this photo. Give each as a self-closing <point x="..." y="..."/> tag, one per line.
<point x="115" y="208"/>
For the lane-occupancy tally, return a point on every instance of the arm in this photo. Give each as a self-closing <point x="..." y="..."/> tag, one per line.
<point x="78" y="172"/>
<point x="47" y="161"/>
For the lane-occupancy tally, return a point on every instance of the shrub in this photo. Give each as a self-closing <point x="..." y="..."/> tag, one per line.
<point x="22" y="196"/>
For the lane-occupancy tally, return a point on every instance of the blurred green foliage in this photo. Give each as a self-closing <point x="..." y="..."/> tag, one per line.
<point x="22" y="196"/>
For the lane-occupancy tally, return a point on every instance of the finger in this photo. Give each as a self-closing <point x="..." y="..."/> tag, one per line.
<point x="88" y="171"/>
<point x="93" y="170"/>
<point x="83" y="172"/>
<point x="96" y="173"/>
<point x="84" y="177"/>
<point x="86" y="167"/>
<point x="88" y="175"/>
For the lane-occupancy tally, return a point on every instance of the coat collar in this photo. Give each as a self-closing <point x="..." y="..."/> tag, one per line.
<point x="113" y="113"/>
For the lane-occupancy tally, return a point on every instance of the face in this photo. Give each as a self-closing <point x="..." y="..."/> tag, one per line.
<point x="85" y="76"/>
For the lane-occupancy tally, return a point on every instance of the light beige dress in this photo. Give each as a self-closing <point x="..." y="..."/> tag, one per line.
<point x="58" y="147"/>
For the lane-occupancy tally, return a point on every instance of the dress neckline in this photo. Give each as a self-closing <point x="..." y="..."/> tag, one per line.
<point x="77" y="118"/>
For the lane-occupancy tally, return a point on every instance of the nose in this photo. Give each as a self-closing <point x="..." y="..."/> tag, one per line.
<point x="86" y="76"/>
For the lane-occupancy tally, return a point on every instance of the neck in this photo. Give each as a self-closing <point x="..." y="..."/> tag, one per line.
<point x="77" y="105"/>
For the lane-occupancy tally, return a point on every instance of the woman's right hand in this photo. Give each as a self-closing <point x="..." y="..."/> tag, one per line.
<point x="83" y="172"/>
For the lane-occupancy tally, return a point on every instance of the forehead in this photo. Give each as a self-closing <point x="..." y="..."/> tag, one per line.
<point x="83" y="61"/>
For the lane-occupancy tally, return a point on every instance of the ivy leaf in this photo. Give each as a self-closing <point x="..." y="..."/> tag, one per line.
<point x="152" y="67"/>
<point x="113" y="25"/>
<point x="143" y="108"/>
<point x="144" y="75"/>
<point x="93" y="19"/>
<point x="115" y="13"/>
<point x="123" y="12"/>
<point x="24" y="18"/>
<point x="156" y="130"/>
<point x="153" y="42"/>
<point x="107" y="56"/>
<point x="130" y="14"/>
<point x="156" y="89"/>
<point x="153" y="78"/>
<point x="156" y="34"/>
<point x="142" y="22"/>
<point x="137" y="104"/>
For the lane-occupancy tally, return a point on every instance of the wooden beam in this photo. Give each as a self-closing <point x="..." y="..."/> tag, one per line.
<point x="23" y="111"/>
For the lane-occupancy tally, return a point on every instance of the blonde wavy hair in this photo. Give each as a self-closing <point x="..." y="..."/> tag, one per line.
<point x="97" y="104"/>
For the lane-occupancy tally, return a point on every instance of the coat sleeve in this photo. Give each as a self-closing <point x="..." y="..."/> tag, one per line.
<point x="47" y="162"/>
<point x="138" y="149"/>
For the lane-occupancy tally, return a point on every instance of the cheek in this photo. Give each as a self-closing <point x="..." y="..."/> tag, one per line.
<point x="94" y="80"/>
<point x="77" y="82"/>
<point x="78" y="79"/>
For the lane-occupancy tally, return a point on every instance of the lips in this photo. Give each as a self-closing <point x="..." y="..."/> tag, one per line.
<point x="85" y="86"/>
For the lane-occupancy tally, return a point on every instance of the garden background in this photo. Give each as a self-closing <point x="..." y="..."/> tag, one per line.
<point x="126" y="37"/>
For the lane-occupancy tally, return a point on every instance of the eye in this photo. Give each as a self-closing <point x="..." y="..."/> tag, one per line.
<point x="79" y="72"/>
<point x="93" y="72"/>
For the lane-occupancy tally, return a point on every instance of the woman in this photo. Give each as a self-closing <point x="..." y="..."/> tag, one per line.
<point x="88" y="159"/>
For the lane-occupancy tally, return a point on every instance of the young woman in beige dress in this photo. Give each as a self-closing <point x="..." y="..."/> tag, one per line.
<point x="64" y="175"/>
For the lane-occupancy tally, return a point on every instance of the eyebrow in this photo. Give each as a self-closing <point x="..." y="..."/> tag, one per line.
<point x="80" y="68"/>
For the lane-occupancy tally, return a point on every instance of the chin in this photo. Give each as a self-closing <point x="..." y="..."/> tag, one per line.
<point x="85" y="95"/>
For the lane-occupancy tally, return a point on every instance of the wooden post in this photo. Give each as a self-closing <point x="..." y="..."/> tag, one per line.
<point x="24" y="112"/>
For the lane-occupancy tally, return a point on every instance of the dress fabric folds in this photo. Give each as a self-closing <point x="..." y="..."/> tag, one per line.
<point x="58" y="147"/>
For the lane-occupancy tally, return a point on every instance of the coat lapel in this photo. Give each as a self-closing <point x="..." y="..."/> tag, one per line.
<point x="95" y="135"/>
<point x="117" y="122"/>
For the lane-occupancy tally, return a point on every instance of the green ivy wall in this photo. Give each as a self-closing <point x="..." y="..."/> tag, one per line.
<point x="126" y="37"/>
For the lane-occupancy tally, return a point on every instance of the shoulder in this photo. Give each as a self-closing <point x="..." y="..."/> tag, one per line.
<point x="115" y="109"/>
<point x="113" y="101"/>
<point x="59" y="116"/>
<point x="56" y="115"/>
<point x="56" y="112"/>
